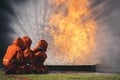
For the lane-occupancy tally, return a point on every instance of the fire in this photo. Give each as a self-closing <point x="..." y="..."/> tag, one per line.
<point x="73" y="30"/>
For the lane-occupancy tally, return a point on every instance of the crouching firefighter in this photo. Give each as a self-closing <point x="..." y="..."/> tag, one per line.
<point x="13" y="58"/>
<point x="40" y="56"/>
<point x="28" y="54"/>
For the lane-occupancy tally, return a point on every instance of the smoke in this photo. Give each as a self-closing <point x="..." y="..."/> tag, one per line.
<point x="108" y="40"/>
<point x="5" y="29"/>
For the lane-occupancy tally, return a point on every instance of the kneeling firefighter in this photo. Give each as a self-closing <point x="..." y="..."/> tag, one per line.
<point x="13" y="58"/>
<point x="28" y="54"/>
<point x="40" y="56"/>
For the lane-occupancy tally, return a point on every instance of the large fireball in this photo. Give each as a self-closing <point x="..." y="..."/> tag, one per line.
<point x="73" y="30"/>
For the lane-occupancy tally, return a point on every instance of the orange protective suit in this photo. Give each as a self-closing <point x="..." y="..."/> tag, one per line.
<point x="13" y="57"/>
<point x="40" y="56"/>
<point x="27" y="43"/>
<point x="28" y="55"/>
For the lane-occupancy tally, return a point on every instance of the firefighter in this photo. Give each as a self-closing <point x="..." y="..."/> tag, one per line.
<point x="14" y="57"/>
<point x="40" y="56"/>
<point x="28" y="61"/>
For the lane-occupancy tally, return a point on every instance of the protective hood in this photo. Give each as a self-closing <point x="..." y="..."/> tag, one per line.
<point x="43" y="44"/>
<point x="19" y="42"/>
<point x="27" y="41"/>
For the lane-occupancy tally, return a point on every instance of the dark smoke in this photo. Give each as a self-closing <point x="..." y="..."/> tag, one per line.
<point x="5" y="29"/>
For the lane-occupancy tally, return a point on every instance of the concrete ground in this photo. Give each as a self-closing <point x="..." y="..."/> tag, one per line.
<point x="84" y="73"/>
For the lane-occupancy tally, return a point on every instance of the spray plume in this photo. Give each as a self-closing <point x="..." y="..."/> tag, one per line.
<point x="67" y="25"/>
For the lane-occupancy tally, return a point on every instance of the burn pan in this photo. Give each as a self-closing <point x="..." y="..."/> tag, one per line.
<point x="86" y="68"/>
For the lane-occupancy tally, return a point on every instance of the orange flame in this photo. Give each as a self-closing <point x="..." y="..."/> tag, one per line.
<point x="73" y="30"/>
